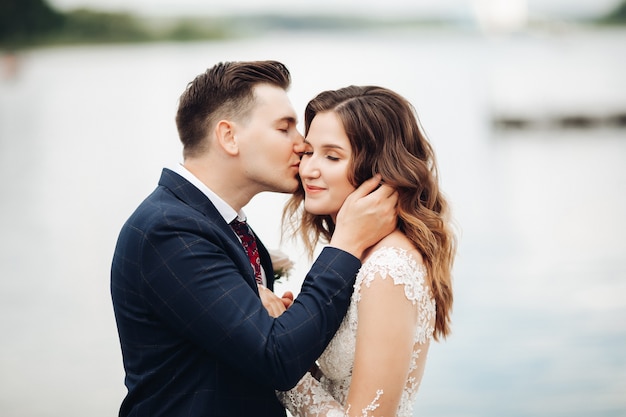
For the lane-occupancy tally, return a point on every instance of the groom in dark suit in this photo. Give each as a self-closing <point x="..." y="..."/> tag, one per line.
<point x="195" y="337"/>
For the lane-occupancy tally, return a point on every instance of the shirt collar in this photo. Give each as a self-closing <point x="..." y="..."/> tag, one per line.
<point x="227" y="212"/>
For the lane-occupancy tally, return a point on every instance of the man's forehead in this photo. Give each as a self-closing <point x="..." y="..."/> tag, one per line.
<point x="265" y="90"/>
<point x="274" y="99"/>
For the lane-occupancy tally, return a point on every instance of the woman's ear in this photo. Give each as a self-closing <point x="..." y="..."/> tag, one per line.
<point x="226" y="139"/>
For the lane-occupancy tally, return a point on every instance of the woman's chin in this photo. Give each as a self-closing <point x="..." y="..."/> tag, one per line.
<point x="313" y="209"/>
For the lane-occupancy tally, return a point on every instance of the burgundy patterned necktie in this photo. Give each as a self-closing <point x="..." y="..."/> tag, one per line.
<point x="249" y="245"/>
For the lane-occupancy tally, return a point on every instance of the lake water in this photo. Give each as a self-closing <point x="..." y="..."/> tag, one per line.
<point x="540" y="310"/>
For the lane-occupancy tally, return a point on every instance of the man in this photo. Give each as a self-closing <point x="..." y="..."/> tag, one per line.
<point x="196" y="339"/>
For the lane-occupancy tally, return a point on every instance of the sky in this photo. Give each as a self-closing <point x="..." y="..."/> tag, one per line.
<point x="425" y="8"/>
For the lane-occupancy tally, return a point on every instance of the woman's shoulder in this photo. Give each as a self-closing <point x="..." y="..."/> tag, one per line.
<point x="396" y="242"/>
<point x="396" y="256"/>
<point x="396" y="261"/>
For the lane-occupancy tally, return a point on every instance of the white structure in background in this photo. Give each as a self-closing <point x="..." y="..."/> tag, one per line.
<point x="554" y="76"/>
<point x="501" y="16"/>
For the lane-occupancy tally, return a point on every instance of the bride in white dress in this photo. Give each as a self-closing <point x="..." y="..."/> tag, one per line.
<point x="402" y="294"/>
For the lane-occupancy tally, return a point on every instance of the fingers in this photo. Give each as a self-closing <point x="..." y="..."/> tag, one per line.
<point x="365" y="217"/>
<point x="375" y="188"/>
<point x="275" y="306"/>
<point x="287" y="299"/>
<point x="386" y="191"/>
<point x="385" y="197"/>
<point x="367" y="186"/>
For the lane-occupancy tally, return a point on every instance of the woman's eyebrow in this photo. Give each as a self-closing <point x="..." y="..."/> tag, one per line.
<point x="326" y="145"/>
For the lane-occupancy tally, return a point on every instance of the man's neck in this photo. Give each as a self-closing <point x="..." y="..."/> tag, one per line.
<point x="222" y="181"/>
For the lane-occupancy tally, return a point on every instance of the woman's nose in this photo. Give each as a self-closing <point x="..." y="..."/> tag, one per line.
<point x="308" y="168"/>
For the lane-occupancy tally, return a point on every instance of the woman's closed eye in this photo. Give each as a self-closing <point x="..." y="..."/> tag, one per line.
<point x="310" y="153"/>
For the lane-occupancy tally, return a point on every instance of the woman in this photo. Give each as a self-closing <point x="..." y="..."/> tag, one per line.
<point x="403" y="294"/>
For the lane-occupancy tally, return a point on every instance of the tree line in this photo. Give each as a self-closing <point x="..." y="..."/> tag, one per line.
<point x="25" y="23"/>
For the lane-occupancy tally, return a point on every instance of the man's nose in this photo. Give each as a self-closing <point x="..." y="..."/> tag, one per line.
<point x="298" y="143"/>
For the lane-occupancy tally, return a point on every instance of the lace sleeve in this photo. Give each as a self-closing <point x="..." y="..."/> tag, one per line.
<point x="309" y="399"/>
<point x="391" y="302"/>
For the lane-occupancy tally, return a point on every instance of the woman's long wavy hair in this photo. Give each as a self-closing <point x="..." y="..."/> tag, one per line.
<point x="386" y="138"/>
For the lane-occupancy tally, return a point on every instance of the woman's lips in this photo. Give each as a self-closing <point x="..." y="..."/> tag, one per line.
<point x="312" y="189"/>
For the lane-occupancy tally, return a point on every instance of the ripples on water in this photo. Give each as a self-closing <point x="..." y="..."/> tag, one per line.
<point x="540" y="316"/>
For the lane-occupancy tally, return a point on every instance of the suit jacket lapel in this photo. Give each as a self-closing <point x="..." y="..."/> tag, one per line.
<point x="190" y="195"/>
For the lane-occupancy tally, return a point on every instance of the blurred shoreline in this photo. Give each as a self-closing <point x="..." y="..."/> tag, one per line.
<point x="538" y="327"/>
<point x="38" y="24"/>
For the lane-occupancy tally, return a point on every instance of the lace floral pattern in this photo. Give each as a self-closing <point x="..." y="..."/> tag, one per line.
<point x="327" y="397"/>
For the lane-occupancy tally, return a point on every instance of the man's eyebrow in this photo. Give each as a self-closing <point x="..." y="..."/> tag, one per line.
<point x="288" y="119"/>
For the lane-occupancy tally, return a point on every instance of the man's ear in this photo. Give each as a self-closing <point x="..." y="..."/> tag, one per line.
<point x="225" y="135"/>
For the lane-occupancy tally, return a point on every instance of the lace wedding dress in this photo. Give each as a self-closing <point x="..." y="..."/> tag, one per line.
<point x="327" y="397"/>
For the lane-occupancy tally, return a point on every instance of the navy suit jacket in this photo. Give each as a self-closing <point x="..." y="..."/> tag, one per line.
<point x="195" y="338"/>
